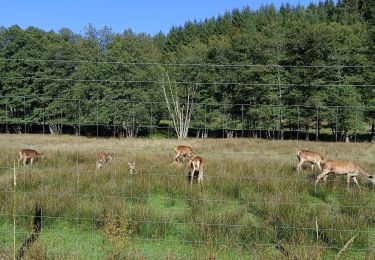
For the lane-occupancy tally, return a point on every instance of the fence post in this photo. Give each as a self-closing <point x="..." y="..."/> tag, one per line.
<point x="79" y="117"/>
<point x="43" y="115"/>
<point x="151" y="121"/>
<point x="356" y="125"/>
<point x="242" y="121"/>
<point x="114" y="120"/>
<point x="337" y="112"/>
<point x="298" y="119"/>
<point x="24" y="114"/>
<point x="317" y="124"/>
<point x="223" y="120"/>
<point x="97" y="118"/>
<point x="205" y="121"/>
<point x="6" y="116"/>
<point x="61" y="116"/>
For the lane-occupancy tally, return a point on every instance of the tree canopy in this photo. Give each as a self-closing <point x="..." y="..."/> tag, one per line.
<point x="308" y="69"/>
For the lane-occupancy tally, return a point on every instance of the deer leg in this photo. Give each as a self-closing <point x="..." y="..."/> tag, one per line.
<point x="24" y="161"/>
<point x="299" y="165"/>
<point x="31" y="161"/>
<point x="176" y="158"/>
<point x="319" y="166"/>
<point x="356" y="182"/>
<point x="312" y="167"/>
<point x="192" y="177"/>
<point x="200" y="177"/>
<point x="348" y="179"/>
<point x="324" y="173"/>
<point x="19" y="161"/>
<point x="325" y="178"/>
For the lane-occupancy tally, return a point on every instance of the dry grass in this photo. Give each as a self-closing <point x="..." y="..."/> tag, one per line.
<point x="252" y="198"/>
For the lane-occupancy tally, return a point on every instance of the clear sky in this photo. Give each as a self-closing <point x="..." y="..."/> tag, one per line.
<point x="149" y="16"/>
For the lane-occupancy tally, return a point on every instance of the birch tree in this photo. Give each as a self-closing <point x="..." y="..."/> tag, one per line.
<point x="180" y="104"/>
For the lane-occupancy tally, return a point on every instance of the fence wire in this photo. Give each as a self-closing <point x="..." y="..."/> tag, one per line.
<point x="124" y="118"/>
<point x="252" y="203"/>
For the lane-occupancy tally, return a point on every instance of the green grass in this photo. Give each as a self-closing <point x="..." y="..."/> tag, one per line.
<point x="252" y="199"/>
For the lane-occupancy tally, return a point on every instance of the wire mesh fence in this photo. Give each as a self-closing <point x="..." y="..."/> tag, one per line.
<point x="252" y="203"/>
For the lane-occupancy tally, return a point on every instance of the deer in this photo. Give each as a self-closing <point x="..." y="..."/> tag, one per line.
<point x="342" y="167"/>
<point x="313" y="158"/>
<point x="184" y="151"/>
<point x="133" y="169"/>
<point x="196" y="164"/>
<point x="31" y="154"/>
<point x="103" y="158"/>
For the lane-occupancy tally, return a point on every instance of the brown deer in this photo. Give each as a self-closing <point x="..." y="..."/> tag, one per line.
<point x="342" y="167"/>
<point x="313" y="158"/>
<point x="184" y="151"/>
<point x="26" y="154"/>
<point x="103" y="158"/>
<point x="196" y="164"/>
<point x="133" y="169"/>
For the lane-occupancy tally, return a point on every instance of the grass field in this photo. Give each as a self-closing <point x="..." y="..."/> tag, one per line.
<point x="253" y="204"/>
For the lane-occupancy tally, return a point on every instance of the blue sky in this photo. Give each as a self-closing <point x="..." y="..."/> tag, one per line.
<point x="139" y="15"/>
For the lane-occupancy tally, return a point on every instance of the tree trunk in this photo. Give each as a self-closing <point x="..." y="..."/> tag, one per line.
<point x="54" y="129"/>
<point x="307" y="134"/>
<point x="77" y="130"/>
<point x="17" y="129"/>
<point x="346" y="137"/>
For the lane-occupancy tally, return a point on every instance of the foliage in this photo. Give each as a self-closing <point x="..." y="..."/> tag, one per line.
<point x="319" y="55"/>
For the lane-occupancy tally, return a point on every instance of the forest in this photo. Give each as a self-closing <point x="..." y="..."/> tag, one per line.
<point x="288" y="72"/>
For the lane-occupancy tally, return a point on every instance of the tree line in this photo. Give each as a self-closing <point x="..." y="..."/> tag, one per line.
<point x="291" y="69"/>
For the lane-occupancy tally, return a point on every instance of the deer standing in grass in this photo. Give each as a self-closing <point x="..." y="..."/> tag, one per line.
<point x="184" y="151"/>
<point x="103" y="158"/>
<point x="342" y="167"/>
<point x="196" y="164"/>
<point x="133" y="169"/>
<point x="313" y="158"/>
<point x="26" y="154"/>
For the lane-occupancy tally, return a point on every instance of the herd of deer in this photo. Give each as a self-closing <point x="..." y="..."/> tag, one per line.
<point x="196" y="163"/>
<point x="326" y="166"/>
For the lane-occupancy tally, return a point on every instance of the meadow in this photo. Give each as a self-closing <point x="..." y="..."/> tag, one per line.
<point x="253" y="205"/>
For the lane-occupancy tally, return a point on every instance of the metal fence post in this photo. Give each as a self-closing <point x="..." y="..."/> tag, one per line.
<point x="114" y="120"/>
<point x="242" y="122"/>
<point x="97" y="118"/>
<point x="205" y="121"/>
<point x="356" y="125"/>
<point x="337" y="112"/>
<point x="151" y="121"/>
<point x="79" y="117"/>
<point x="24" y="114"/>
<point x="6" y="116"/>
<point x="298" y="119"/>
<point x="43" y="115"/>
<point x="61" y="116"/>
<point x="223" y="120"/>
<point x="317" y="124"/>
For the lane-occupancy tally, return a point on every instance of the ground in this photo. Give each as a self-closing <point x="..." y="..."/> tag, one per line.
<point x="253" y="205"/>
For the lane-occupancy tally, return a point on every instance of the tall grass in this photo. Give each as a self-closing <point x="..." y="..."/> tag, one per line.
<point x="252" y="199"/>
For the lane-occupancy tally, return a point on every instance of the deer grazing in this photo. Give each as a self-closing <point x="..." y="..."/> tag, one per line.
<point x="196" y="164"/>
<point x="103" y="158"/>
<point x="313" y="158"/>
<point x="183" y="151"/>
<point x="133" y="169"/>
<point x="342" y="167"/>
<point x="26" y="154"/>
